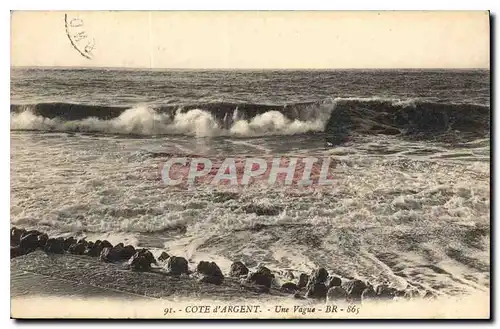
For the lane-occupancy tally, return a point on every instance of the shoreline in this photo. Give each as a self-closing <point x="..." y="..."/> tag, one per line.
<point x="76" y="275"/>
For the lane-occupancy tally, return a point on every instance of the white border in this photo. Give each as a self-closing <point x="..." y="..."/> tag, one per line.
<point x="191" y="5"/>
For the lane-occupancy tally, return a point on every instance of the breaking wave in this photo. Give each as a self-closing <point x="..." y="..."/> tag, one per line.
<point x="339" y="117"/>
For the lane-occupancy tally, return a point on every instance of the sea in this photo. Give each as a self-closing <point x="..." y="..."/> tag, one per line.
<point x="409" y="205"/>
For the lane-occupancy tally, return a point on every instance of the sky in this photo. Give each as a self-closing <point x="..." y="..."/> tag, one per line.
<point x="251" y="39"/>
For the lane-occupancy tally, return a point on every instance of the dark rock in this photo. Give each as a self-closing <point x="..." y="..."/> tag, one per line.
<point x="354" y="288"/>
<point x="336" y="293"/>
<point x="42" y="239"/>
<point x="368" y="293"/>
<point x="289" y="287"/>
<point x="140" y="261"/>
<point x="316" y="290"/>
<point x="94" y="249"/>
<point x="29" y="242"/>
<point x="16" y="251"/>
<point x="82" y="240"/>
<point x="319" y="276"/>
<point x="385" y="292"/>
<point x="177" y="265"/>
<point x="119" y="245"/>
<point x="163" y="257"/>
<point x="127" y="252"/>
<point x="334" y="281"/>
<point x="107" y="256"/>
<point x="15" y="236"/>
<point x="209" y="269"/>
<point x="149" y="256"/>
<point x="34" y="232"/>
<point x="106" y="244"/>
<point x="316" y="287"/>
<point x="55" y="246"/>
<point x="78" y="248"/>
<point x="68" y="242"/>
<point x="238" y="269"/>
<point x="262" y="276"/>
<point x="303" y="279"/>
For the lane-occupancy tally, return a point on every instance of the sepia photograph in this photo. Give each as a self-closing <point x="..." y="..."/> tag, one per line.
<point x="250" y="164"/>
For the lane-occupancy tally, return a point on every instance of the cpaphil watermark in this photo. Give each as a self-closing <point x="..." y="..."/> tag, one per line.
<point x="238" y="171"/>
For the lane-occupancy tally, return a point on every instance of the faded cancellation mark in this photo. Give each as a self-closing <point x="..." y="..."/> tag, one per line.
<point x="79" y="38"/>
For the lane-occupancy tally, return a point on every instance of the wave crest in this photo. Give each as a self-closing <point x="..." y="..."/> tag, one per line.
<point x="339" y="117"/>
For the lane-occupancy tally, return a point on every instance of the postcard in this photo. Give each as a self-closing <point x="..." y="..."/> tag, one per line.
<point x="250" y="164"/>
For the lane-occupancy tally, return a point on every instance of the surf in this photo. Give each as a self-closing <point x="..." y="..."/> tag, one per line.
<point x="339" y="117"/>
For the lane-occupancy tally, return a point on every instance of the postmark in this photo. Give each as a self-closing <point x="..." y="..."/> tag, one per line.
<point x="78" y="36"/>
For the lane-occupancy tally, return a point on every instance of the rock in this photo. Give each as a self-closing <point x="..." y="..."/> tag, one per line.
<point x="106" y="244"/>
<point x="119" y="245"/>
<point x="316" y="287"/>
<point x="289" y="287"/>
<point x="316" y="290"/>
<point x="368" y="293"/>
<point x="15" y="236"/>
<point x="16" y="252"/>
<point x="163" y="257"/>
<point x="354" y="288"/>
<point x="176" y="265"/>
<point x="149" y="256"/>
<point x="140" y="261"/>
<point x="94" y="249"/>
<point x="55" y="246"/>
<point x="29" y="242"/>
<point x="336" y="293"/>
<point x="333" y="281"/>
<point x="319" y="276"/>
<point x="385" y="292"/>
<point x="209" y="269"/>
<point x="238" y="269"/>
<point x="126" y="252"/>
<point x="78" y="248"/>
<point x="26" y="233"/>
<point x="303" y="279"/>
<point x="68" y="242"/>
<point x="42" y="239"/>
<point x="262" y="276"/>
<point x="107" y="256"/>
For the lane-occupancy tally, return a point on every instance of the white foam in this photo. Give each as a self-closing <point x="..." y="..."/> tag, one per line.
<point x="144" y="120"/>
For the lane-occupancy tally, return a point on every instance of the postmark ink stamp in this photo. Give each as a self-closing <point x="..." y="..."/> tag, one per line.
<point x="78" y="36"/>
